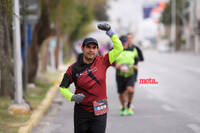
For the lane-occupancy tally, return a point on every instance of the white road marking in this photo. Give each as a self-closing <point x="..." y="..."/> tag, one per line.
<point x="194" y="127"/>
<point x="193" y="69"/>
<point x="167" y="108"/>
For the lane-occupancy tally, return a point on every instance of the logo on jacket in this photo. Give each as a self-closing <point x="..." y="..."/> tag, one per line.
<point x="86" y="72"/>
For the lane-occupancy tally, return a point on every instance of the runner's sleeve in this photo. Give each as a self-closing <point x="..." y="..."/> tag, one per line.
<point x="135" y="53"/>
<point x="117" y="48"/>
<point x="140" y="55"/>
<point x="64" y="86"/>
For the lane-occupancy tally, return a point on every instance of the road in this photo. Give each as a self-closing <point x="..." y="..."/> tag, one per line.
<point x="171" y="106"/>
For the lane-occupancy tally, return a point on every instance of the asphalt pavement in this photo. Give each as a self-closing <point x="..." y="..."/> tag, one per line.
<point x="171" y="106"/>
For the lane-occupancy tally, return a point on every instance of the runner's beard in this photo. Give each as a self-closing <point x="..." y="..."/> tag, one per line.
<point x="89" y="59"/>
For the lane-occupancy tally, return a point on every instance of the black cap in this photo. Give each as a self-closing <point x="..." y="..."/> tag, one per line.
<point x="89" y="40"/>
<point x="123" y="38"/>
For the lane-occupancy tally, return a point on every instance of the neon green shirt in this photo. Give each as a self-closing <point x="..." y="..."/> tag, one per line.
<point x="126" y="59"/>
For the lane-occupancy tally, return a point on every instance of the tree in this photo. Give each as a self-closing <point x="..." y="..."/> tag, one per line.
<point x="41" y="32"/>
<point x="70" y="18"/>
<point x="64" y="15"/>
<point x="99" y="7"/>
<point x="6" y="50"/>
<point x="181" y="18"/>
<point x="73" y="17"/>
<point x="67" y="16"/>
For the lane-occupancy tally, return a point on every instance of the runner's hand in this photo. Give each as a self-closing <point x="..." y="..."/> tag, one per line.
<point x="105" y="27"/>
<point x="118" y="66"/>
<point x="135" y="67"/>
<point x="77" y="98"/>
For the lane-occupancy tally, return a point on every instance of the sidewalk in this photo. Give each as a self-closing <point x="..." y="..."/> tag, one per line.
<point x="42" y="108"/>
<point x="38" y="113"/>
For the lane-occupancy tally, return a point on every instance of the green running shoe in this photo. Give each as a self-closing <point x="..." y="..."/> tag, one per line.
<point x="130" y="111"/>
<point x="123" y="112"/>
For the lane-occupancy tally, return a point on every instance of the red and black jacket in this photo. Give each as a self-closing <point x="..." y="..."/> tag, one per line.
<point x="89" y="79"/>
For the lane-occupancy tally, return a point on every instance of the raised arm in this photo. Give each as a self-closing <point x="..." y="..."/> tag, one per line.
<point x="117" y="45"/>
<point x="117" y="48"/>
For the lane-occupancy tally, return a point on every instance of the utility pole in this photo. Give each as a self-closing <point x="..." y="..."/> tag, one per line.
<point x="173" y="24"/>
<point x="197" y="20"/>
<point x="19" y="106"/>
<point x="187" y="32"/>
<point x="191" y="23"/>
<point x="17" y="53"/>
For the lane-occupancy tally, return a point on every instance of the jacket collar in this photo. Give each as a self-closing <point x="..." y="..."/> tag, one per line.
<point x="81" y="62"/>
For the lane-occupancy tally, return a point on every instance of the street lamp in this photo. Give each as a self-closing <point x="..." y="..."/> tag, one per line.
<point x="19" y="106"/>
<point x="173" y="23"/>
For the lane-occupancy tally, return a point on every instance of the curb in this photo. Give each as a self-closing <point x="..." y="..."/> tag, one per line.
<point x="38" y="113"/>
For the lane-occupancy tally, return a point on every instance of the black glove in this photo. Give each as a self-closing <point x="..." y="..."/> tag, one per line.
<point x="105" y="27"/>
<point x="77" y="98"/>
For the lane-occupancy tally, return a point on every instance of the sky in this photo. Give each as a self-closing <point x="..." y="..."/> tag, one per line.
<point x="127" y="15"/>
<point x="125" y="12"/>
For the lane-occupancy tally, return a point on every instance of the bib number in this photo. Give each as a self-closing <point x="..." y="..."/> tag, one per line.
<point x="100" y="107"/>
<point x="124" y="68"/>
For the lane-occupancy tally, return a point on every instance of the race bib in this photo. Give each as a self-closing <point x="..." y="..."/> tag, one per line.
<point x="100" y="107"/>
<point x="124" y="68"/>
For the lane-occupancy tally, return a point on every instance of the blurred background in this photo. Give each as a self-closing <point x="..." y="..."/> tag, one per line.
<point x="38" y="38"/>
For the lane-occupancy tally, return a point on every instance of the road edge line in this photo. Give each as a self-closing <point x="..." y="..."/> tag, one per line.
<point x="38" y="113"/>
